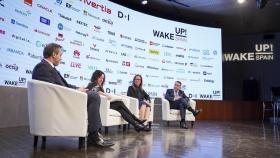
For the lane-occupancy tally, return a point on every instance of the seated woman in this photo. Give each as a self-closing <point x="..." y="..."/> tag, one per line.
<point x="96" y="84"/>
<point x="136" y="91"/>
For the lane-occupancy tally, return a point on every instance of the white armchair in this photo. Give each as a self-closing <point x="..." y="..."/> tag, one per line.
<point x="56" y="111"/>
<point x="173" y="114"/>
<point x="110" y="117"/>
<point x="134" y="108"/>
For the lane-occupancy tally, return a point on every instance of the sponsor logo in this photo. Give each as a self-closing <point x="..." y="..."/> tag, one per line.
<point x="81" y="33"/>
<point x="193" y="57"/>
<point x="75" y="65"/>
<point x="111" y="33"/>
<point x="180" y="34"/>
<point x="168" y="54"/>
<point x="12" y="83"/>
<point x="86" y="13"/>
<point x="141" y="49"/>
<point x="59" y="37"/>
<point x="167" y="46"/>
<point x="139" y="57"/>
<point x="2" y="3"/>
<point x="125" y="37"/>
<point x="140" y="40"/>
<point x="90" y="67"/>
<point x="95" y="5"/>
<point x="41" y="32"/>
<point x="192" y="95"/>
<point x="64" y="17"/>
<point x="40" y="44"/>
<point x="207" y="73"/>
<point x="154" y="59"/>
<point x="111" y="52"/>
<point x="182" y="78"/>
<point x="180" y="71"/>
<point x="97" y="28"/>
<point x="76" y="42"/>
<point x="81" y="23"/>
<point x="67" y="75"/>
<point x="166" y="61"/>
<point x="44" y="8"/>
<point x="196" y="73"/>
<point x="209" y="80"/>
<point x="206" y="52"/>
<point x="58" y="2"/>
<point x="122" y="72"/>
<point x="154" y="52"/>
<point x="195" y="79"/>
<point x="126" y="63"/>
<point x="76" y="54"/>
<point x="127" y="46"/>
<point x="93" y="48"/>
<point x="205" y="96"/>
<point x="122" y="15"/>
<point x="164" y="35"/>
<point x="112" y="42"/>
<point x="207" y="58"/>
<point x="20" y="38"/>
<point x="112" y="61"/>
<point x="31" y="55"/>
<point x="13" y="21"/>
<point x="108" y="70"/>
<point x="14" y="51"/>
<point x="98" y="38"/>
<point x="88" y="56"/>
<point x="2" y="19"/>
<point x="29" y="72"/>
<point x="108" y="21"/>
<point x="153" y="85"/>
<point x="12" y="67"/>
<point x="152" y="67"/>
<point x="152" y="94"/>
<point x="164" y="69"/>
<point x="108" y="90"/>
<point x="25" y="13"/>
<point x="45" y="20"/>
<point x="154" y="43"/>
<point x="70" y="6"/>
<point x="209" y="66"/>
<point x="125" y="54"/>
<point x="180" y="56"/>
<point x="152" y="76"/>
<point x="179" y="63"/>
<point x="168" y="78"/>
<point x="193" y="64"/>
<point x="139" y="66"/>
<point x="194" y="50"/>
<point x="215" y="52"/>
<point x="180" y="48"/>
<point x="164" y="86"/>
<point x="61" y="27"/>
<point x="28" y="2"/>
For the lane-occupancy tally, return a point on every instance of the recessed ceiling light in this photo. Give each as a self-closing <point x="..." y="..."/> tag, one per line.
<point x="240" y="1"/>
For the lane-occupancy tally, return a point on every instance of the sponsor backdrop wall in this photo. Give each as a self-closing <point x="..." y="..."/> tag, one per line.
<point x="250" y="66"/>
<point x="121" y="42"/>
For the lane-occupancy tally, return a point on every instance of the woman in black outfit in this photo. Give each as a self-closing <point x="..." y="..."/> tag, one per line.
<point x="136" y="91"/>
<point x="96" y="84"/>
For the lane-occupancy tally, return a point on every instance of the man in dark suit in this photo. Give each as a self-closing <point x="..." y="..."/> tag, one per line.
<point x="178" y="100"/>
<point x="45" y="71"/>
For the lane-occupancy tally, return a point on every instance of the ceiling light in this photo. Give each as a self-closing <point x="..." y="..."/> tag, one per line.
<point x="144" y="2"/>
<point x="240" y="1"/>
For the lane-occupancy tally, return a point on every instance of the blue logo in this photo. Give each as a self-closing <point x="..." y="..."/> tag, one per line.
<point x="45" y="20"/>
<point x="59" y="2"/>
<point x="13" y="21"/>
<point x="60" y="26"/>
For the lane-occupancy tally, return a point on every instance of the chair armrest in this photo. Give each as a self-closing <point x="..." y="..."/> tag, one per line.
<point x="165" y="108"/>
<point x="104" y="105"/>
<point x="133" y="105"/>
<point x="192" y="103"/>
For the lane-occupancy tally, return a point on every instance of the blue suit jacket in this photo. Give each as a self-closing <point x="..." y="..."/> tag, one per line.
<point x="169" y="95"/>
<point x="43" y="71"/>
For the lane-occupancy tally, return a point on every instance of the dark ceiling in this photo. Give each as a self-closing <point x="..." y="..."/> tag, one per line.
<point x="232" y="17"/>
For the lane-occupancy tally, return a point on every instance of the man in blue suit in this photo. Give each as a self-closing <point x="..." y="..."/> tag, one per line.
<point x="45" y="71"/>
<point x="178" y="100"/>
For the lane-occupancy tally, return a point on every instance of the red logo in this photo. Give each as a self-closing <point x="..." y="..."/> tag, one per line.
<point x="59" y="37"/>
<point x="76" y="65"/>
<point x="126" y="63"/>
<point x="2" y="32"/>
<point x="76" y="54"/>
<point x="94" y="5"/>
<point x="28" y="2"/>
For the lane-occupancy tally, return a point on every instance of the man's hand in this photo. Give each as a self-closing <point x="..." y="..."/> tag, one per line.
<point x="82" y="89"/>
<point x="177" y="98"/>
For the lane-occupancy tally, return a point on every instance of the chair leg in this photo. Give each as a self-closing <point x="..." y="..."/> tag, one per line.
<point x="35" y="142"/>
<point x="120" y="126"/>
<point x="124" y="128"/>
<point x="106" y="130"/>
<point x="167" y="123"/>
<point x="82" y="143"/>
<point x="192" y="123"/>
<point x="128" y="126"/>
<point x="150" y="124"/>
<point x="44" y="139"/>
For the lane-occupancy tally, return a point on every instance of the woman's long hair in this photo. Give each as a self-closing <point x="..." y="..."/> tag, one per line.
<point x="95" y="75"/>
<point x="133" y="83"/>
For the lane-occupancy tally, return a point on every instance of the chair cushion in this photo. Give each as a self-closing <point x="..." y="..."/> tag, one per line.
<point x="177" y="112"/>
<point x="114" y="113"/>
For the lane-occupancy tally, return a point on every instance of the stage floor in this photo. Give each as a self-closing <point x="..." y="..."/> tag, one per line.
<point x="208" y="139"/>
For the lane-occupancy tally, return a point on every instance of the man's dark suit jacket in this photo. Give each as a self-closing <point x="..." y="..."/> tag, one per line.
<point x="169" y="95"/>
<point x="43" y="71"/>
